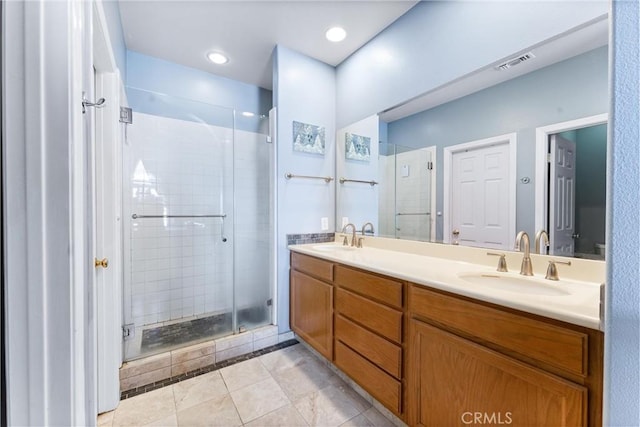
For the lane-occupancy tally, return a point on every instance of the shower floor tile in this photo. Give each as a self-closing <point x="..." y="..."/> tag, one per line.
<point x="175" y="334"/>
<point x="261" y="400"/>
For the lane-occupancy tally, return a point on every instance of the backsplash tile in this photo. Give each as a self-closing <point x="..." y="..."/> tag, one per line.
<point x="301" y="239"/>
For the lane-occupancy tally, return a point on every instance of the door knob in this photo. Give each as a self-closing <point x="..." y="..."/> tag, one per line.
<point x="104" y="262"/>
<point x="455" y="232"/>
<point x="575" y="236"/>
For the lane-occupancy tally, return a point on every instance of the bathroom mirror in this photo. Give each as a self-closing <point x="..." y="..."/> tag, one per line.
<point x="473" y="152"/>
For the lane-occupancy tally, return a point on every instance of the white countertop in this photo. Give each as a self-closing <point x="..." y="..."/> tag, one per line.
<point x="576" y="302"/>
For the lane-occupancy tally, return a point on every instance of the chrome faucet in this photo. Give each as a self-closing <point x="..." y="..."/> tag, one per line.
<point x="365" y="226"/>
<point x="525" y="268"/>
<point x="353" y="236"/>
<point x="541" y="235"/>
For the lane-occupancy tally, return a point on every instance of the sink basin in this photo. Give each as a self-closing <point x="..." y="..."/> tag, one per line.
<point x="333" y="248"/>
<point x="515" y="284"/>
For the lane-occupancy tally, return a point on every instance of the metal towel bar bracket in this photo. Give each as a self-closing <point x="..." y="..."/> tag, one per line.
<point x="326" y="179"/>
<point x="136" y="216"/>
<point x="371" y="183"/>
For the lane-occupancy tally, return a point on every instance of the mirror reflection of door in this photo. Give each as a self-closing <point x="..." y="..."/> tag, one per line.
<point x="576" y="214"/>
<point x="562" y="196"/>
<point x="481" y="212"/>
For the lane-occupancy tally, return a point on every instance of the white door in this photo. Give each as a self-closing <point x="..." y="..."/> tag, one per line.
<point x="480" y="197"/>
<point x="562" y="196"/>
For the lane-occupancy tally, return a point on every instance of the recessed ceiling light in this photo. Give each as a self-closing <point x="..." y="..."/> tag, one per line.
<point x="336" y="34"/>
<point x="217" y="58"/>
<point x="248" y="114"/>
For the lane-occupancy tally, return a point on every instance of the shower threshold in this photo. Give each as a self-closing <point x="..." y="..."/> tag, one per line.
<point x="150" y="369"/>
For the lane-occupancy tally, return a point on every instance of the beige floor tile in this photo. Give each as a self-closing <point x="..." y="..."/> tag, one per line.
<point x="199" y="389"/>
<point x="259" y="399"/>
<point x="170" y="421"/>
<point x="346" y="393"/>
<point x="105" y="419"/>
<point x="219" y="411"/>
<point x="145" y="408"/>
<point x="331" y="406"/>
<point x="147" y="364"/>
<point x="388" y="414"/>
<point x="285" y="358"/>
<point x="145" y="378"/>
<point x="307" y="376"/>
<point x="244" y="373"/>
<point x="234" y="351"/>
<point x="359" y="421"/>
<point x="286" y="416"/>
<point x="376" y="418"/>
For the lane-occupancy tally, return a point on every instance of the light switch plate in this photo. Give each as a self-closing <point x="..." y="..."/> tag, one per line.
<point x="324" y="223"/>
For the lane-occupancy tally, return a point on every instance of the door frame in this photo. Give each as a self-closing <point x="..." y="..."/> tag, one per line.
<point x="108" y="217"/>
<point x="541" y="205"/>
<point x="511" y="140"/>
<point x="432" y="202"/>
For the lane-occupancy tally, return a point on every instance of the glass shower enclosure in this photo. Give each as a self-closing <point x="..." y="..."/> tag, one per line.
<point x="405" y="202"/>
<point x="198" y="223"/>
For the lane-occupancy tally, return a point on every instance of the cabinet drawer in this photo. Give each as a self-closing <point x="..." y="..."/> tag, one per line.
<point x="382" y="386"/>
<point x="375" y="316"/>
<point x="381" y="352"/>
<point x="316" y="267"/>
<point x="375" y="287"/>
<point x="553" y="345"/>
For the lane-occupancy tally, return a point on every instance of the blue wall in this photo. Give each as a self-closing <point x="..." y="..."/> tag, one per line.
<point x="622" y="300"/>
<point x="204" y="94"/>
<point x="568" y="90"/>
<point x="304" y="91"/>
<point x="439" y="41"/>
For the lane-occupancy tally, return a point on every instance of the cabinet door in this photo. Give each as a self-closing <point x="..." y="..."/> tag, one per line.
<point x="312" y="311"/>
<point x="453" y="381"/>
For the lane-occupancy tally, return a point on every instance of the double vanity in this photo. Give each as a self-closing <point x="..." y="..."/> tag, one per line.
<point x="439" y="337"/>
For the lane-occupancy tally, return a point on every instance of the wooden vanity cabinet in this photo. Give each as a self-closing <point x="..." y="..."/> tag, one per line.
<point x="434" y="358"/>
<point x="368" y="320"/>
<point x="355" y="319"/>
<point x="311" y="302"/>
<point x="470" y="359"/>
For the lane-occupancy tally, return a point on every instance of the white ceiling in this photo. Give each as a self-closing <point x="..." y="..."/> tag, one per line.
<point x="247" y="31"/>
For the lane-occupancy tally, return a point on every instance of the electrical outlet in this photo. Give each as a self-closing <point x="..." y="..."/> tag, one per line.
<point x="345" y="221"/>
<point x="324" y="223"/>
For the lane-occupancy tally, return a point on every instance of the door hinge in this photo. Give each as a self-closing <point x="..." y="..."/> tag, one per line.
<point x="548" y="157"/>
<point x="128" y="331"/>
<point x="430" y="166"/>
<point x="126" y="115"/>
<point x="269" y="302"/>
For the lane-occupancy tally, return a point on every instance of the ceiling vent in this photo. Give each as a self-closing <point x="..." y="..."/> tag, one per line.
<point x="515" y="61"/>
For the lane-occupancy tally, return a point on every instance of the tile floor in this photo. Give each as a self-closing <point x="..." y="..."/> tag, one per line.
<point x="288" y="387"/>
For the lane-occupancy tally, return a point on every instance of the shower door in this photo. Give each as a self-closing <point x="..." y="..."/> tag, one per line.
<point x="406" y="175"/>
<point x="413" y="193"/>
<point x="178" y="224"/>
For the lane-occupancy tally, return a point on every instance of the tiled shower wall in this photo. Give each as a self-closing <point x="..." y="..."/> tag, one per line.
<point x="182" y="267"/>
